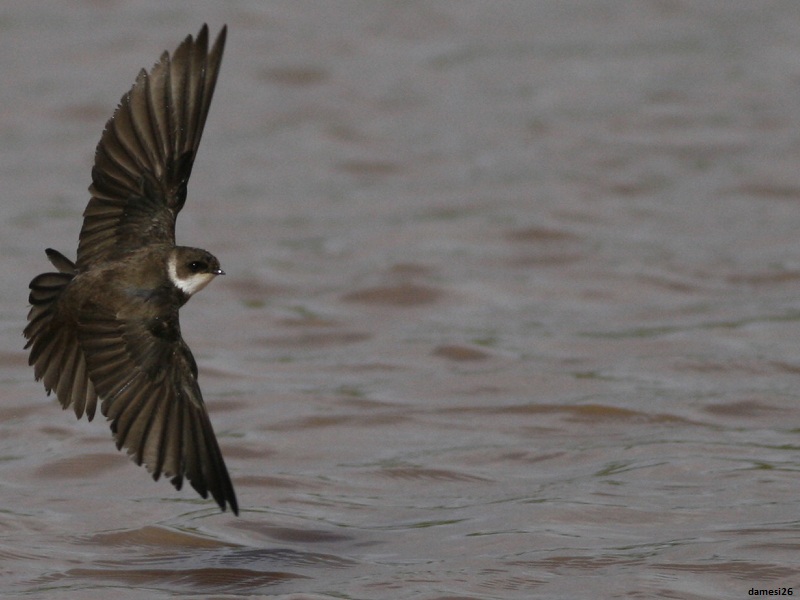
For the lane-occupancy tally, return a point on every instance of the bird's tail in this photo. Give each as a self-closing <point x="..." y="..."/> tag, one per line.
<point x="54" y="352"/>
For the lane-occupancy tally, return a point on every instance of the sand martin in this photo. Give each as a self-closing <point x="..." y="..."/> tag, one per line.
<point x="106" y="326"/>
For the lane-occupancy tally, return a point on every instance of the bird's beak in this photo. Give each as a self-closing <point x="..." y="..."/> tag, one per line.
<point x="218" y="272"/>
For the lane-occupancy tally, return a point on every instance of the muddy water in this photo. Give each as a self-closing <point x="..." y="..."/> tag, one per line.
<point x="512" y="306"/>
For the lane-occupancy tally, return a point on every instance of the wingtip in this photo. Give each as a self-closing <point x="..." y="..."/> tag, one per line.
<point x="225" y="497"/>
<point x="203" y="35"/>
<point x="219" y="44"/>
<point x="201" y="39"/>
<point x="222" y="35"/>
<point x="230" y="503"/>
<point x="233" y="504"/>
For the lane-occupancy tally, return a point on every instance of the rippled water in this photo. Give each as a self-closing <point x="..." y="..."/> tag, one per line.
<point x="512" y="306"/>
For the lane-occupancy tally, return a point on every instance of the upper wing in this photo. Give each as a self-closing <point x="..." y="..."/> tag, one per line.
<point x="145" y="155"/>
<point x="146" y="378"/>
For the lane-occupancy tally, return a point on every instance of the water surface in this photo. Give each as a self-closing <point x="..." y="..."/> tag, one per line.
<point x="511" y="307"/>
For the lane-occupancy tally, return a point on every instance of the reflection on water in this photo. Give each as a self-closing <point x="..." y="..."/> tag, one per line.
<point x="511" y="307"/>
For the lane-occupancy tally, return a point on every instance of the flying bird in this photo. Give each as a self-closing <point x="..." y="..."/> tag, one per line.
<point x="105" y="327"/>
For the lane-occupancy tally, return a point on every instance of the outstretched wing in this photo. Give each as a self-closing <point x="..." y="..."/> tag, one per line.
<point x="145" y="155"/>
<point x="146" y="378"/>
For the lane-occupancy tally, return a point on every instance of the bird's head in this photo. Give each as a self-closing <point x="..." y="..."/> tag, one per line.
<point x="192" y="269"/>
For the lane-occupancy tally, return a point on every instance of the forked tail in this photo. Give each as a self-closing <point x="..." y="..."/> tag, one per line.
<point x="54" y="352"/>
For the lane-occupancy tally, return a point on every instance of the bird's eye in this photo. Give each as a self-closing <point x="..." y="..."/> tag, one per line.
<point x="196" y="266"/>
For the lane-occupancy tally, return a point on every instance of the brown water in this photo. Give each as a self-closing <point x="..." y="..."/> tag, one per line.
<point x="512" y="306"/>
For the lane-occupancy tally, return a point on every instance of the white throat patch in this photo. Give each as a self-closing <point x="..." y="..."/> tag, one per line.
<point x="190" y="285"/>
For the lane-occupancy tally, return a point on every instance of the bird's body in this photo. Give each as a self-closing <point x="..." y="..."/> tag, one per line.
<point x="106" y="327"/>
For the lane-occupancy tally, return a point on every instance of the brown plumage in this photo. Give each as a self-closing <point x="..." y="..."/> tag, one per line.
<point x="106" y="327"/>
